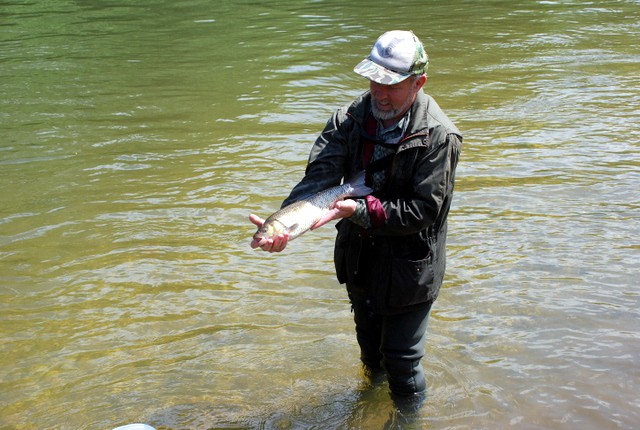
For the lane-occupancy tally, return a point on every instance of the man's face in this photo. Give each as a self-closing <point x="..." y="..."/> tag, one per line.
<point x="390" y="102"/>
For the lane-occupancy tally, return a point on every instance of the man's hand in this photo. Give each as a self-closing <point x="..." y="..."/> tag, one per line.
<point x="273" y="244"/>
<point x="338" y="209"/>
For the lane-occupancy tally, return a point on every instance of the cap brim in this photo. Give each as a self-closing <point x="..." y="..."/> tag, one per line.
<point x="379" y="74"/>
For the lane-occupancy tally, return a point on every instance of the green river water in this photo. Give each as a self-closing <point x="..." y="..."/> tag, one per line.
<point x="136" y="138"/>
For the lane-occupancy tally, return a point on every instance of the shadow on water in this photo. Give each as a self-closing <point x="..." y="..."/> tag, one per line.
<point x="365" y="407"/>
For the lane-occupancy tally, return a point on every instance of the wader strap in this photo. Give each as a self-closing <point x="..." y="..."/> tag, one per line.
<point x="368" y="144"/>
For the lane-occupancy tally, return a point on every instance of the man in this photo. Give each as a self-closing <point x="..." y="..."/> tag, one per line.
<point x="390" y="246"/>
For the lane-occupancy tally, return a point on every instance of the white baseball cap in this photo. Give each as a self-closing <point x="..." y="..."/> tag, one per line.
<point x="396" y="55"/>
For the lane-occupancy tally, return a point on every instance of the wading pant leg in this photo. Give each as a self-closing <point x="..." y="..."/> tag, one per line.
<point x="368" y="334"/>
<point x="402" y="347"/>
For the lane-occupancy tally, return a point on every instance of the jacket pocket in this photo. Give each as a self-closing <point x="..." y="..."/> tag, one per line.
<point x="339" y="253"/>
<point x="410" y="281"/>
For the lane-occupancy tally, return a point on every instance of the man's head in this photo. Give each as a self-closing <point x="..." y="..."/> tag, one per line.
<point x="395" y="56"/>
<point x="396" y="69"/>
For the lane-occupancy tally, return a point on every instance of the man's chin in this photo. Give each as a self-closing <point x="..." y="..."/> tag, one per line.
<point x="383" y="115"/>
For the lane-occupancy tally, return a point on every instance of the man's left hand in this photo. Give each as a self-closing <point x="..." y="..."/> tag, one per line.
<point x="339" y="209"/>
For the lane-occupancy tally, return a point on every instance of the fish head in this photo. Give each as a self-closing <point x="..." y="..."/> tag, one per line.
<point x="269" y="229"/>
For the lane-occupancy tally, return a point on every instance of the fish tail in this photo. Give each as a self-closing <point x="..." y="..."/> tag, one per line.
<point x="358" y="186"/>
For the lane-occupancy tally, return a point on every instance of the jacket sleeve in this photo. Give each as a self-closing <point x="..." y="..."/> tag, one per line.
<point x="427" y="202"/>
<point x="327" y="160"/>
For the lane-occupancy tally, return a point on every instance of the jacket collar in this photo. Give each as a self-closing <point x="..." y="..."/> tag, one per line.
<point x="418" y="129"/>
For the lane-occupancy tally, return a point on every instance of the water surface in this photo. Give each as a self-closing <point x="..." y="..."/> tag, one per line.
<point x="136" y="139"/>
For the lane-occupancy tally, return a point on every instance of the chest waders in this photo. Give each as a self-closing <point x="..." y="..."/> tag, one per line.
<point x="397" y="344"/>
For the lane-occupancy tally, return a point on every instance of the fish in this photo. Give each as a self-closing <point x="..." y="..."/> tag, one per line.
<point x="298" y="217"/>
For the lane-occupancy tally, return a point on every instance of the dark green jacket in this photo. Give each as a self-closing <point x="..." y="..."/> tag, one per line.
<point x="400" y="263"/>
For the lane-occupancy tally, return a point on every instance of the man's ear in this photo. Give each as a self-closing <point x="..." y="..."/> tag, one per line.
<point x="420" y="81"/>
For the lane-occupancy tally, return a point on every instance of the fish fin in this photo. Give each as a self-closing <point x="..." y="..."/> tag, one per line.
<point x="358" y="185"/>
<point x="292" y="228"/>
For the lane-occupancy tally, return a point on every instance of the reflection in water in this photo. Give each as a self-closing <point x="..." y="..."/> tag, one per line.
<point x="365" y="406"/>
<point x="137" y="139"/>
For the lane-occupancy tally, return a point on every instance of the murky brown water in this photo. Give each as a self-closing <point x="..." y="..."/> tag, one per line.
<point x="136" y="139"/>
